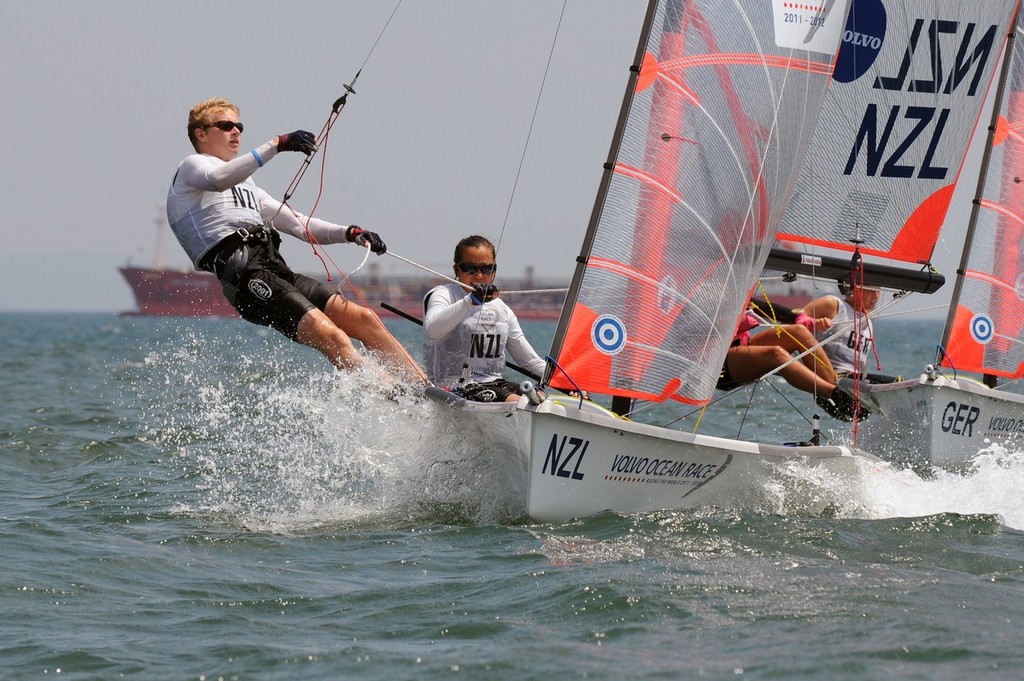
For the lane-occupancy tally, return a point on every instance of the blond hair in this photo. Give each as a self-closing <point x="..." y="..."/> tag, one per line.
<point x="201" y="116"/>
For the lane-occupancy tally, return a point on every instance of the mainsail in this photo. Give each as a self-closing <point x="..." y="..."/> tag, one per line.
<point x="911" y="81"/>
<point x="986" y="324"/>
<point x="724" y="96"/>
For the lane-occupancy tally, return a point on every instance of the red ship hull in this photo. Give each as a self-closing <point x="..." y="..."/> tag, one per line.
<point x="184" y="293"/>
<point x="176" y="293"/>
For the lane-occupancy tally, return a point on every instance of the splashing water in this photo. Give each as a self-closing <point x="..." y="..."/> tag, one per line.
<point x="880" y="490"/>
<point x="991" y="486"/>
<point x="273" y="441"/>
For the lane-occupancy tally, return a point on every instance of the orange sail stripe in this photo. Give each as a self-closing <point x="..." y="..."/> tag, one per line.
<point x="1004" y="211"/>
<point x="990" y="279"/>
<point x="745" y="59"/>
<point x="656" y="201"/>
<point x="969" y="354"/>
<point x="591" y="369"/>
<point x="921" y="230"/>
<point x="648" y="72"/>
<point x="650" y="181"/>
<point x="1002" y="131"/>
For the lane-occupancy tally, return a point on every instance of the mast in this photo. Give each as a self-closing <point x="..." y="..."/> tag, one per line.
<point x="965" y="254"/>
<point x="620" y="405"/>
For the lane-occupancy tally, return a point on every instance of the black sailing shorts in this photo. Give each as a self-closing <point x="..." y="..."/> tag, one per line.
<point x="265" y="291"/>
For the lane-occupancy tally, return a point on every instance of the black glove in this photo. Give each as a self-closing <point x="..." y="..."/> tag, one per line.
<point x="300" y="140"/>
<point x="358" y="235"/>
<point x="483" y="293"/>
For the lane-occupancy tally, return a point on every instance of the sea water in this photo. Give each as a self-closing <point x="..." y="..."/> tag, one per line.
<point x="201" y="499"/>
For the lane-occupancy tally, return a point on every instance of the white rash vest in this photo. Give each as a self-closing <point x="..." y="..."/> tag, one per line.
<point x="459" y="332"/>
<point x="210" y="198"/>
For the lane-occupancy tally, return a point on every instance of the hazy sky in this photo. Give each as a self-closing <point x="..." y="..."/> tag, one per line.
<point x="428" y="150"/>
<point x="97" y="96"/>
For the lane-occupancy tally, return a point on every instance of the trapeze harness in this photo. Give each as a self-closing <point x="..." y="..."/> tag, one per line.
<point x="222" y="232"/>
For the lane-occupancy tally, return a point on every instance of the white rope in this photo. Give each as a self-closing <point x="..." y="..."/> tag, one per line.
<point x="536" y="290"/>
<point x="366" y="256"/>
<point x="467" y="286"/>
<point x="426" y="269"/>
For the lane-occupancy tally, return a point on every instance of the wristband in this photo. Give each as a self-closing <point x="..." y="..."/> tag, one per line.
<point x="259" y="159"/>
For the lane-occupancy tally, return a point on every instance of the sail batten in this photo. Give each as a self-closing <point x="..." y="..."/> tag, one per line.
<point x="703" y="166"/>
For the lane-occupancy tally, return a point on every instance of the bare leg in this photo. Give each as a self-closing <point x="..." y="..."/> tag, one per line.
<point x="796" y="338"/>
<point x="750" y="362"/>
<point x="357" y="322"/>
<point x="319" y="332"/>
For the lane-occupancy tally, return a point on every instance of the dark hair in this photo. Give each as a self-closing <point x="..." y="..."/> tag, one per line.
<point x="475" y="241"/>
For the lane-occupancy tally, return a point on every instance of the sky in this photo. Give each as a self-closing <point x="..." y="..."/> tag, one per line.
<point x="427" y="151"/>
<point x="458" y="126"/>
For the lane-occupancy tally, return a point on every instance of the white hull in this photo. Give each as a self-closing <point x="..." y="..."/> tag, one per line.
<point x="944" y="423"/>
<point x="571" y="463"/>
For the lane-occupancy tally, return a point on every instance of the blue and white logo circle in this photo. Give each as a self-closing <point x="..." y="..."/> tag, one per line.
<point x="608" y="334"/>
<point x="981" y="328"/>
<point x="1018" y="286"/>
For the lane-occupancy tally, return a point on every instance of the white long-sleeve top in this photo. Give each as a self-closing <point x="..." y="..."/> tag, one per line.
<point x="210" y="198"/>
<point x="459" y="332"/>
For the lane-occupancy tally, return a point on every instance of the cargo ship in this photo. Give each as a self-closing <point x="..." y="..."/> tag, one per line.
<point x="176" y="293"/>
<point x="167" y="292"/>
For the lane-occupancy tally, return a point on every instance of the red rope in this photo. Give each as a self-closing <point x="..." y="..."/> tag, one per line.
<point x="859" y="323"/>
<point x="323" y="140"/>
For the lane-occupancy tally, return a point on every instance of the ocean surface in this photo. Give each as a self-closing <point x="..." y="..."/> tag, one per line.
<point x="201" y="499"/>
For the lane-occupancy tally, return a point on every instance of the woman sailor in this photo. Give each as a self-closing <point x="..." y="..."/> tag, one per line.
<point x="467" y="333"/>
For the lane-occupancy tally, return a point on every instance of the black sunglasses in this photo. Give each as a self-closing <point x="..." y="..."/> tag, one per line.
<point x="227" y="126"/>
<point x="471" y="268"/>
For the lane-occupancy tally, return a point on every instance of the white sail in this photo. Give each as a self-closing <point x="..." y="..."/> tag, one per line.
<point x="911" y="81"/>
<point x="698" y="180"/>
<point x="942" y="418"/>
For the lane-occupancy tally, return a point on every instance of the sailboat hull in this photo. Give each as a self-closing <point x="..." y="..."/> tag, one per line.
<point x="568" y="462"/>
<point x="940" y="422"/>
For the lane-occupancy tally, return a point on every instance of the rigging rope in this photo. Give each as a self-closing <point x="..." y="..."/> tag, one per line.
<point x="466" y="286"/>
<point x="323" y="141"/>
<point x="529" y="132"/>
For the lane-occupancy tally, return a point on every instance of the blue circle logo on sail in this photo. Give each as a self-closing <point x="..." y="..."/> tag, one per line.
<point x="982" y="328"/>
<point x="608" y="334"/>
<point x="1018" y="286"/>
<point x="862" y="40"/>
